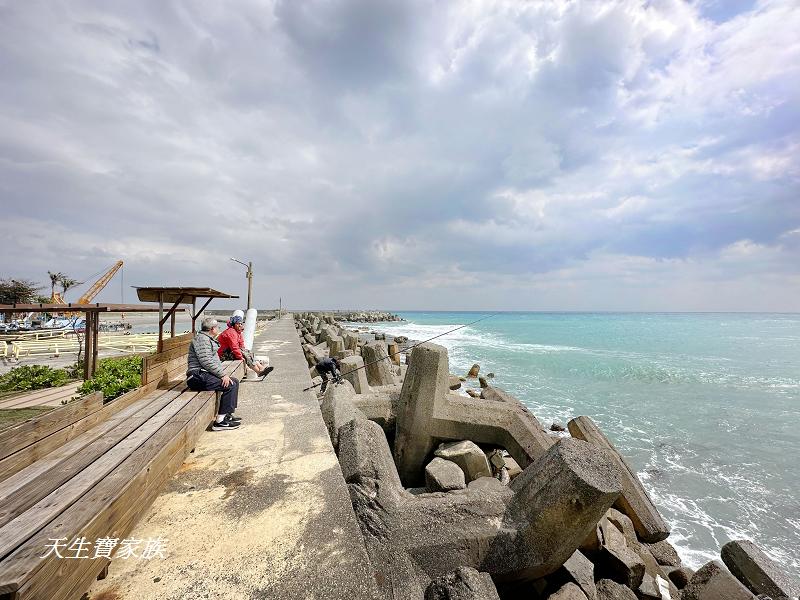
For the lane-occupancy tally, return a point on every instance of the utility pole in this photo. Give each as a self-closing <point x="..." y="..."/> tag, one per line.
<point x="249" y="284"/>
<point x="249" y="276"/>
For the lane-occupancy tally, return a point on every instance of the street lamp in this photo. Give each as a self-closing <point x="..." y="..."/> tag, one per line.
<point x="249" y="276"/>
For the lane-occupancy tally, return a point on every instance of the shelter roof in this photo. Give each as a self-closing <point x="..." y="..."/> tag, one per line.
<point x="74" y="306"/>
<point x="178" y="294"/>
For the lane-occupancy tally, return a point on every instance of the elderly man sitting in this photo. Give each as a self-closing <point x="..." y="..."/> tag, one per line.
<point x="206" y="372"/>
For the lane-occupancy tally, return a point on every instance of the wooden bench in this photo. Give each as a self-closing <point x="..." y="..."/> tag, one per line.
<point x="168" y="364"/>
<point x="44" y="397"/>
<point x="91" y="475"/>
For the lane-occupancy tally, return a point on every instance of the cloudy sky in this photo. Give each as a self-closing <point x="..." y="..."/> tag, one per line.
<point x="554" y="154"/>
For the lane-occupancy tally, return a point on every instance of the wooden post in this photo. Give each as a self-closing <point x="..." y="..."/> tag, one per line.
<point x="249" y="283"/>
<point x="160" y="320"/>
<point x="194" y="314"/>
<point x="202" y="308"/>
<point x="172" y="325"/>
<point x="95" y="335"/>
<point x="87" y="347"/>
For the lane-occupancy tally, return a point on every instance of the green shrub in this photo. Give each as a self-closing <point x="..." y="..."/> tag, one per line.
<point x="32" y="377"/>
<point x="114" y="377"/>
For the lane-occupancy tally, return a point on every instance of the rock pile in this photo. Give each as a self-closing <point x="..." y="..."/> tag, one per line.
<point x="461" y="497"/>
<point x="367" y="317"/>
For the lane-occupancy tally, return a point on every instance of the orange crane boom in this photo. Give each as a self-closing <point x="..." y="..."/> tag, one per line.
<point x="99" y="284"/>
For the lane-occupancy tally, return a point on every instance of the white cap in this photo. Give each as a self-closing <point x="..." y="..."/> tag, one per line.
<point x="238" y="313"/>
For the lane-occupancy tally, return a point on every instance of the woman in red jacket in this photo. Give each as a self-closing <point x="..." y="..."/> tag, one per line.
<point x="231" y="347"/>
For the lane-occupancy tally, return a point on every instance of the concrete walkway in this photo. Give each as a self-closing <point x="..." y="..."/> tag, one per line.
<point x="261" y="512"/>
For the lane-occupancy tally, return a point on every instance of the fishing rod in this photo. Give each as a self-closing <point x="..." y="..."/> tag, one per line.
<point x="338" y="379"/>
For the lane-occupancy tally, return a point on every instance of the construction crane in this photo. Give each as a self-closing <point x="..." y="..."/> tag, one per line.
<point x="92" y="291"/>
<point x="99" y="284"/>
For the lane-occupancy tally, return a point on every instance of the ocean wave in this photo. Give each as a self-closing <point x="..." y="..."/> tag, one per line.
<point x="703" y="429"/>
<point x="471" y="344"/>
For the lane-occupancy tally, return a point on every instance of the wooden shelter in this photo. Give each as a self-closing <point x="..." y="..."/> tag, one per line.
<point x="92" y="322"/>
<point x="177" y="296"/>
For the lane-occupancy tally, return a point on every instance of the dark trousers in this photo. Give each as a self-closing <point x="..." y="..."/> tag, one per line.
<point x="249" y="360"/>
<point x="203" y="381"/>
<point x="332" y="374"/>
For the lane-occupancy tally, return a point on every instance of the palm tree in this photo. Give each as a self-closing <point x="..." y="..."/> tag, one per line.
<point x="67" y="283"/>
<point x="54" y="278"/>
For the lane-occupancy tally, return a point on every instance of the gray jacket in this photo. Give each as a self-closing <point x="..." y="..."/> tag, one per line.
<point x="203" y="355"/>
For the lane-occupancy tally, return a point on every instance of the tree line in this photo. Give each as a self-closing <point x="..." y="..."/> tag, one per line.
<point x="24" y="291"/>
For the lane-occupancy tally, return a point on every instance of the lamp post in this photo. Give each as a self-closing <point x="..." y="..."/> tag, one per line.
<point x="249" y="276"/>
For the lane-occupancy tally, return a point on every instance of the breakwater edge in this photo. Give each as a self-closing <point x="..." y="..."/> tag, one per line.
<point x="607" y="377"/>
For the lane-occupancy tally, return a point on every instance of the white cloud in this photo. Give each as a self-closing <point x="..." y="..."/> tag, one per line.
<point x="412" y="145"/>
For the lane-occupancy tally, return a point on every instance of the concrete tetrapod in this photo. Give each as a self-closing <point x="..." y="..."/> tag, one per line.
<point x="524" y="531"/>
<point x="353" y="371"/>
<point x="462" y="584"/>
<point x="428" y="413"/>
<point x="713" y="582"/>
<point x="379" y="367"/>
<point x="758" y="572"/>
<point x="350" y="340"/>
<point x="337" y="409"/>
<point x="635" y="501"/>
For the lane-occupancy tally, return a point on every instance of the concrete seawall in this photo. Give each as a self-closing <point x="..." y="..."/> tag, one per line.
<point x="261" y="512"/>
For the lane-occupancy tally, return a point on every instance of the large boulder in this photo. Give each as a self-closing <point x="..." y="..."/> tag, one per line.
<point x="464" y="583"/>
<point x="656" y="584"/>
<point x="665" y="553"/>
<point x="713" y="582"/>
<point x="474" y="370"/>
<point x="468" y="456"/>
<point x="679" y="576"/>
<point x="568" y="591"/>
<point x="444" y="476"/>
<point x="611" y="590"/>
<point x="758" y="572"/>
<point x="624" y="563"/>
<point x="622" y="523"/>
<point x="580" y="571"/>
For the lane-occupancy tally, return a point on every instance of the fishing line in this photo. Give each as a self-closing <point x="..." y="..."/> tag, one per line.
<point x="409" y="348"/>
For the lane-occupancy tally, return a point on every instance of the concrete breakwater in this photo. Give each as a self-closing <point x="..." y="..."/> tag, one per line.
<point x="472" y="498"/>
<point x="371" y="316"/>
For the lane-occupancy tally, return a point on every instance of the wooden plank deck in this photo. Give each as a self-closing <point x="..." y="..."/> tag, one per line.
<point x="91" y="473"/>
<point x="275" y="490"/>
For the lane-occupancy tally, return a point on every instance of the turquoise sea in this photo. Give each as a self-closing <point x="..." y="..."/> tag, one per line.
<point x="706" y="407"/>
